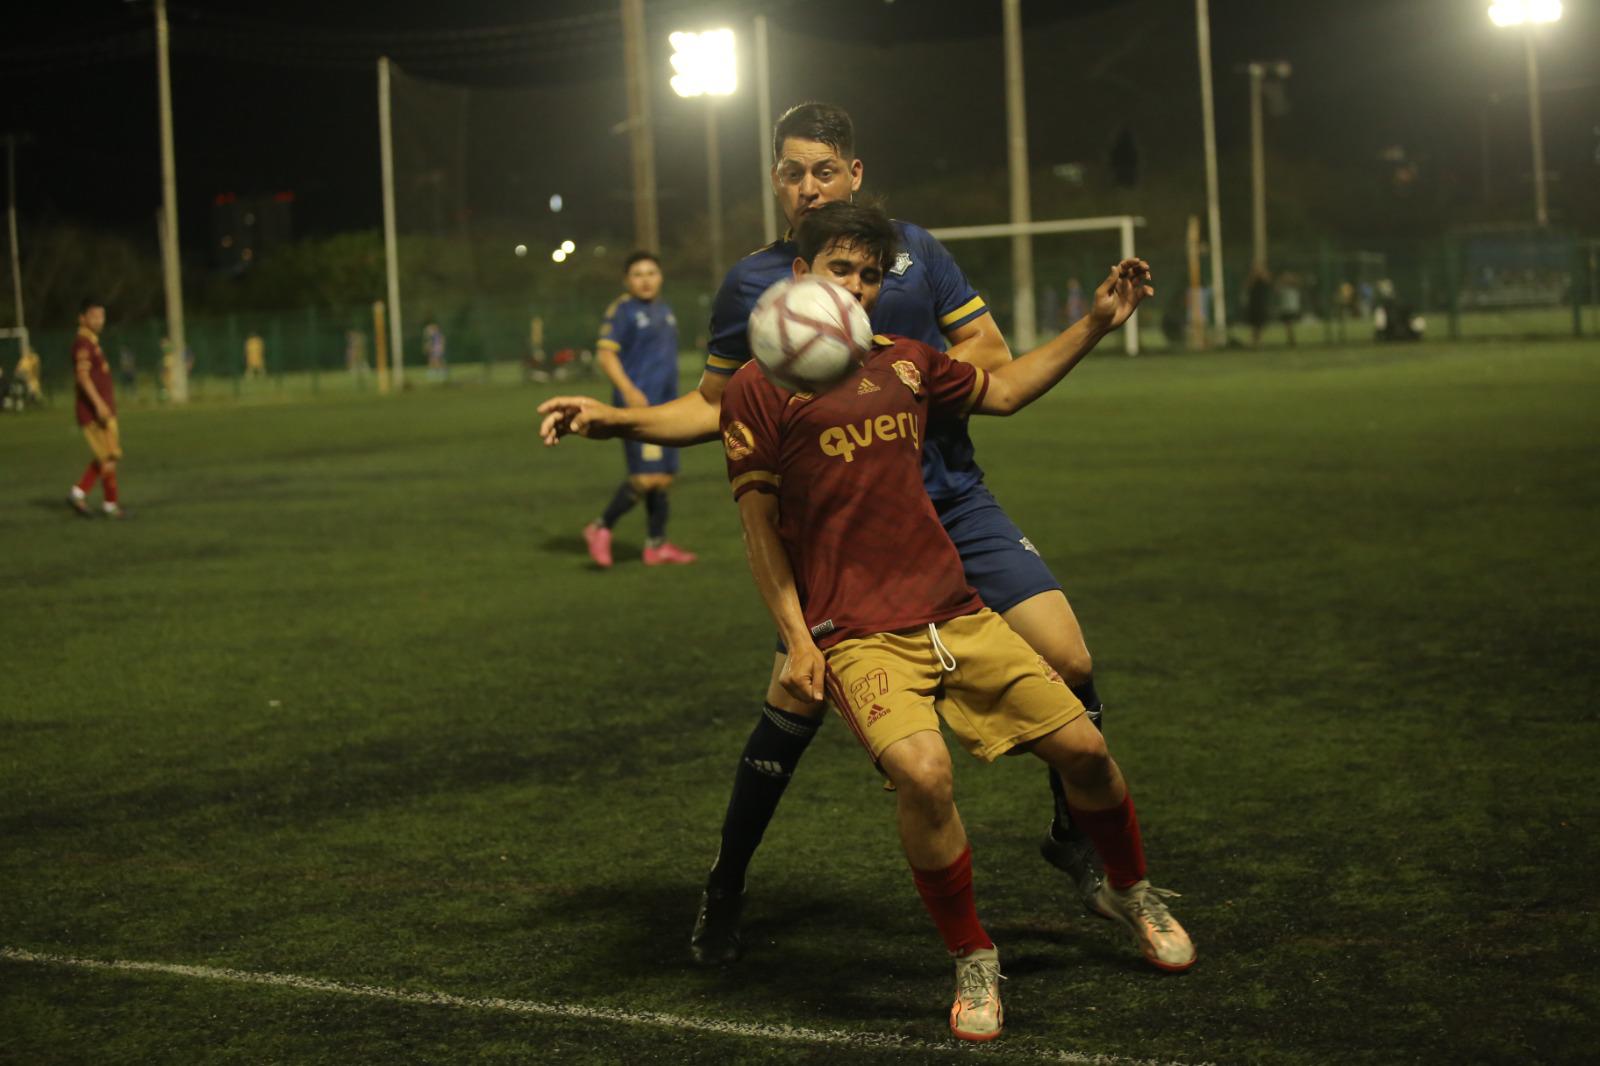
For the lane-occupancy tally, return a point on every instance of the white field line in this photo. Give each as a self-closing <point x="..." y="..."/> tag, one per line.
<point x="576" y="1012"/>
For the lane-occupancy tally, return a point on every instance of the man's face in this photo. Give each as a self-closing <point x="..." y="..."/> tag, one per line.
<point x="849" y="265"/>
<point x="94" y="319"/>
<point x="809" y="174"/>
<point x="644" y="280"/>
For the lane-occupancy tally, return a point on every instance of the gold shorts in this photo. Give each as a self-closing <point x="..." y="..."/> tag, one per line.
<point x="999" y="694"/>
<point x="104" y="441"/>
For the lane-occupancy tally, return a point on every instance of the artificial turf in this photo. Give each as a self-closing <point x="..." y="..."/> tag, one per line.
<point x="344" y="699"/>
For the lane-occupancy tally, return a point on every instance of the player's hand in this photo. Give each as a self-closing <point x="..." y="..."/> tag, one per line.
<point x="102" y="418"/>
<point x="803" y="672"/>
<point x="1119" y="296"/>
<point x="583" y="415"/>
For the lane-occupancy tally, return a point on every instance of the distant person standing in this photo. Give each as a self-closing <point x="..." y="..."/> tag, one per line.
<point x="96" y="411"/>
<point x="433" y="348"/>
<point x="638" y="351"/>
<point x="1287" y="297"/>
<point x="255" y="356"/>
<point x="1257" y="300"/>
<point x="1077" y="306"/>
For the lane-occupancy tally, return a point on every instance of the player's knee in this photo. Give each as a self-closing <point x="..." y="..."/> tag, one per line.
<point x="926" y="781"/>
<point x="1089" y="765"/>
<point x="1073" y="664"/>
<point x="108" y="466"/>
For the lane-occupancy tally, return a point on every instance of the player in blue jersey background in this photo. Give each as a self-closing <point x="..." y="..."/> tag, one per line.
<point x="926" y="297"/>
<point x="638" y="351"/>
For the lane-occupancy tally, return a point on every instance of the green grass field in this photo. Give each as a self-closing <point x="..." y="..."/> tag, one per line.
<point x="343" y="701"/>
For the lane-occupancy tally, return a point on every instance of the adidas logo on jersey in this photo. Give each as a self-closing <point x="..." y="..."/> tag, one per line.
<point x="866" y="386"/>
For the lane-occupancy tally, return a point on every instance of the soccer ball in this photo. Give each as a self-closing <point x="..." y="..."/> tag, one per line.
<point x="807" y="334"/>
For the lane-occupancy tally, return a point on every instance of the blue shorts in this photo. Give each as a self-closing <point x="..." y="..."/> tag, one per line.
<point x="1001" y="563"/>
<point x="645" y="458"/>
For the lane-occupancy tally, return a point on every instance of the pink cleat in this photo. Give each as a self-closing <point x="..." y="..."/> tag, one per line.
<point x="598" y="538"/>
<point x="667" y="552"/>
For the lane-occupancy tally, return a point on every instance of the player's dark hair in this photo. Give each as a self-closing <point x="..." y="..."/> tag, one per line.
<point x="856" y="225"/>
<point x="812" y="121"/>
<point x="87" y="302"/>
<point x="638" y="257"/>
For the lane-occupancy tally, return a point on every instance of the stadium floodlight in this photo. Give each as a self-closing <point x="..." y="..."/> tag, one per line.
<point x="558" y="256"/>
<point x="1521" y="12"/>
<point x="556" y="203"/>
<point x="568" y="247"/>
<point x="707" y="65"/>
<point x="1527" y="14"/>
<point x="704" y="63"/>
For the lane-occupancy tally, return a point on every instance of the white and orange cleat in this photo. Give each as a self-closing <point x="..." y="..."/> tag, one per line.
<point x="1143" y="910"/>
<point x="667" y="552"/>
<point x="598" y="538"/>
<point x="977" y="1014"/>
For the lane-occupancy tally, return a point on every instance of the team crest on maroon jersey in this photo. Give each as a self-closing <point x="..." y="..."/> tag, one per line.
<point x="909" y="375"/>
<point x="738" y="441"/>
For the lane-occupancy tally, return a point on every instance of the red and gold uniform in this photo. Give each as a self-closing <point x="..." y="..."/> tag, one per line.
<point x="880" y="583"/>
<point x="87" y="354"/>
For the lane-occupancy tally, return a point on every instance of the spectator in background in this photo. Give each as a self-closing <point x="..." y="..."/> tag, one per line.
<point x="355" y="352"/>
<point x="433" y="348"/>
<point x="127" y="368"/>
<point x="255" y="356"/>
<point x="1286" y="297"/>
<point x="1257" y="297"/>
<point x="1076" y="307"/>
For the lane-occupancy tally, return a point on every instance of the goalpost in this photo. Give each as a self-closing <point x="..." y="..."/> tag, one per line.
<point x="1122" y="224"/>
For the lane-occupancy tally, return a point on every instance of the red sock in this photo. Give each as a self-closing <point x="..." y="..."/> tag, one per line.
<point x="1115" y="835"/>
<point x="110" y="480"/>
<point x="948" y="896"/>
<point x="86" y="482"/>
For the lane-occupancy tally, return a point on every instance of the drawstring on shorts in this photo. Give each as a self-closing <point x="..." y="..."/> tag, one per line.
<point x="946" y="660"/>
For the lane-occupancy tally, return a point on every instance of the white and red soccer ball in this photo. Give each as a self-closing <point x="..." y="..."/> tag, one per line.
<point x="808" y="333"/>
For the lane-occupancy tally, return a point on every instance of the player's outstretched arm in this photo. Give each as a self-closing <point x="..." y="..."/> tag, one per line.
<point x="769" y="563"/>
<point x="1019" y="383"/>
<point x="690" y="419"/>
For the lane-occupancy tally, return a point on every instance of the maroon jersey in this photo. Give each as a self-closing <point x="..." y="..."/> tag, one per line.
<point x="867" y="548"/>
<point x="86" y="353"/>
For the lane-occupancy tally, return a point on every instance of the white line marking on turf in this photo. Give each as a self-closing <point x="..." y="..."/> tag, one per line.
<point x="573" y="1011"/>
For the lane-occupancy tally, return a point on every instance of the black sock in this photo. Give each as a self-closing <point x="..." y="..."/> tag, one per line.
<point x="655" y="509"/>
<point x="1061" y="824"/>
<point x="768" y="761"/>
<point x="620" y="505"/>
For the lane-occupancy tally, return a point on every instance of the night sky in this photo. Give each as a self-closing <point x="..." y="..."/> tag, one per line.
<point x="281" y="96"/>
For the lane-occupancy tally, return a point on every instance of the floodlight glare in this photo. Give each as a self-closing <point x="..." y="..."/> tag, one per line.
<point x="704" y="63"/>
<point x="558" y="256"/>
<point x="568" y="247"/>
<point x="1519" y="12"/>
<point x="555" y="202"/>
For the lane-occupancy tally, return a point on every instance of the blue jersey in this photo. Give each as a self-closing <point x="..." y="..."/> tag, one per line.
<point x="924" y="296"/>
<point x="644" y="334"/>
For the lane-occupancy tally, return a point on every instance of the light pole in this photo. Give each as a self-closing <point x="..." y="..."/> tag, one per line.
<point x="705" y="65"/>
<point x="171" y="269"/>
<point x="1528" y="14"/>
<point x="1259" y="72"/>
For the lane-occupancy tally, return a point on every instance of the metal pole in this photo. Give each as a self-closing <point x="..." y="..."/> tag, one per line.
<point x="714" y="192"/>
<point x="1541" y="212"/>
<point x="1130" y="331"/>
<point x="171" y="270"/>
<point x="11" y="225"/>
<point x="646" y="220"/>
<point x="1219" y="300"/>
<point x="1258" y="171"/>
<point x="769" y="204"/>
<point x="391" y="250"/>
<point x="1024" y="319"/>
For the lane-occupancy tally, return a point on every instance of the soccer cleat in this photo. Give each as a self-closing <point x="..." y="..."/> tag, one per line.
<point x="1142" y="909"/>
<point x="1075" y="856"/>
<point x="598" y="538"/>
<point x="715" y="940"/>
<point x="111" y="510"/>
<point x="79" y="503"/>
<point x="977" y="1014"/>
<point x="667" y="552"/>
